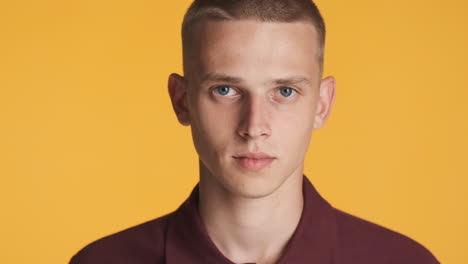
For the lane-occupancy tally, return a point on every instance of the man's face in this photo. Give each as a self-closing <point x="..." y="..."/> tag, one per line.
<point x="253" y="87"/>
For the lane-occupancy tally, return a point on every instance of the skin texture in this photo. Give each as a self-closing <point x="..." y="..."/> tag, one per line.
<point x="236" y="96"/>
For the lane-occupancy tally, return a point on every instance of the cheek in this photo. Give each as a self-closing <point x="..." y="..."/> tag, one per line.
<point x="213" y="127"/>
<point x="294" y="130"/>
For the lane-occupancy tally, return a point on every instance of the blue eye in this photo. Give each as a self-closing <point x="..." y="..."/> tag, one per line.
<point x="223" y="90"/>
<point x="287" y="91"/>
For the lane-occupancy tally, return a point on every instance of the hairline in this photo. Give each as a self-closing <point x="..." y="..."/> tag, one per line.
<point x="197" y="20"/>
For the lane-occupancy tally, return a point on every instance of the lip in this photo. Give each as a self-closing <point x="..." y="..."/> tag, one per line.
<point x="253" y="161"/>
<point x="254" y="155"/>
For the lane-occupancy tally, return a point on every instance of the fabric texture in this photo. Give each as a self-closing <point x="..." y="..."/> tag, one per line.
<point x="324" y="235"/>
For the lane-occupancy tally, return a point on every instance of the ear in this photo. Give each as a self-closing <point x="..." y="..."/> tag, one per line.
<point x="325" y="101"/>
<point x="178" y="93"/>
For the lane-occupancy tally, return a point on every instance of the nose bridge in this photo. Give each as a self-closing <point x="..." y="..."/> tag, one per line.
<point x="254" y="117"/>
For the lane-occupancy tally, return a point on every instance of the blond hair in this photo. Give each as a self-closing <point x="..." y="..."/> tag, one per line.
<point x="261" y="10"/>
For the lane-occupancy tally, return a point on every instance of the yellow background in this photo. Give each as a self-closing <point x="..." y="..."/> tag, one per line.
<point x="89" y="144"/>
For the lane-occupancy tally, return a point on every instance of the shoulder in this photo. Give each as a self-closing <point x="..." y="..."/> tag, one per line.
<point x="365" y="242"/>
<point x="143" y="244"/>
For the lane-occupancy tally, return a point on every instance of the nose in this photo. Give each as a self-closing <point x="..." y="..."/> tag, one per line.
<point x="254" y="121"/>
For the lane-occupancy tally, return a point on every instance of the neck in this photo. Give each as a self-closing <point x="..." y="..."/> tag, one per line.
<point x="248" y="229"/>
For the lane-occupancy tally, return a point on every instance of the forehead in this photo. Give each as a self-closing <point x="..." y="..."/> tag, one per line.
<point x="246" y="47"/>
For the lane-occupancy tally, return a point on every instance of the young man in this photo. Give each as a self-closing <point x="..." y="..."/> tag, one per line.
<point x="253" y="92"/>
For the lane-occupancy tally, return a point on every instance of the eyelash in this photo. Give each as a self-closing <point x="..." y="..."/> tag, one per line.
<point x="295" y="92"/>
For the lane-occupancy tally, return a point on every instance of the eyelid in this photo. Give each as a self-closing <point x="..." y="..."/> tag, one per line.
<point x="213" y="89"/>
<point x="294" y="94"/>
<point x="277" y="89"/>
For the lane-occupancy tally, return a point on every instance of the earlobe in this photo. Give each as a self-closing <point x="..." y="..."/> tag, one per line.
<point x="325" y="101"/>
<point x="178" y="94"/>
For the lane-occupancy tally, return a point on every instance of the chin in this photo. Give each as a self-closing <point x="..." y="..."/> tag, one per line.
<point x="252" y="186"/>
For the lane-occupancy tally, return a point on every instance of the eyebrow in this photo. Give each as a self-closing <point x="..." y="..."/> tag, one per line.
<point x="292" y="80"/>
<point x="219" y="77"/>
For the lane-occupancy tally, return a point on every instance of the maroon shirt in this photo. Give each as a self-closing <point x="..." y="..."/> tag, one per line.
<point x="325" y="235"/>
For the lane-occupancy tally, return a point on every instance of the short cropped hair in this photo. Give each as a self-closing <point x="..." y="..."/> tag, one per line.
<point x="260" y="10"/>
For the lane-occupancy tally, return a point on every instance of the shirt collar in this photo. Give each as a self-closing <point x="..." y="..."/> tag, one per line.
<point x="313" y="241"/>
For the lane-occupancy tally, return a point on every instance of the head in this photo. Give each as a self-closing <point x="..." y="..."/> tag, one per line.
<point x="284" y="11"/>
<point x="252" y="87"/>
